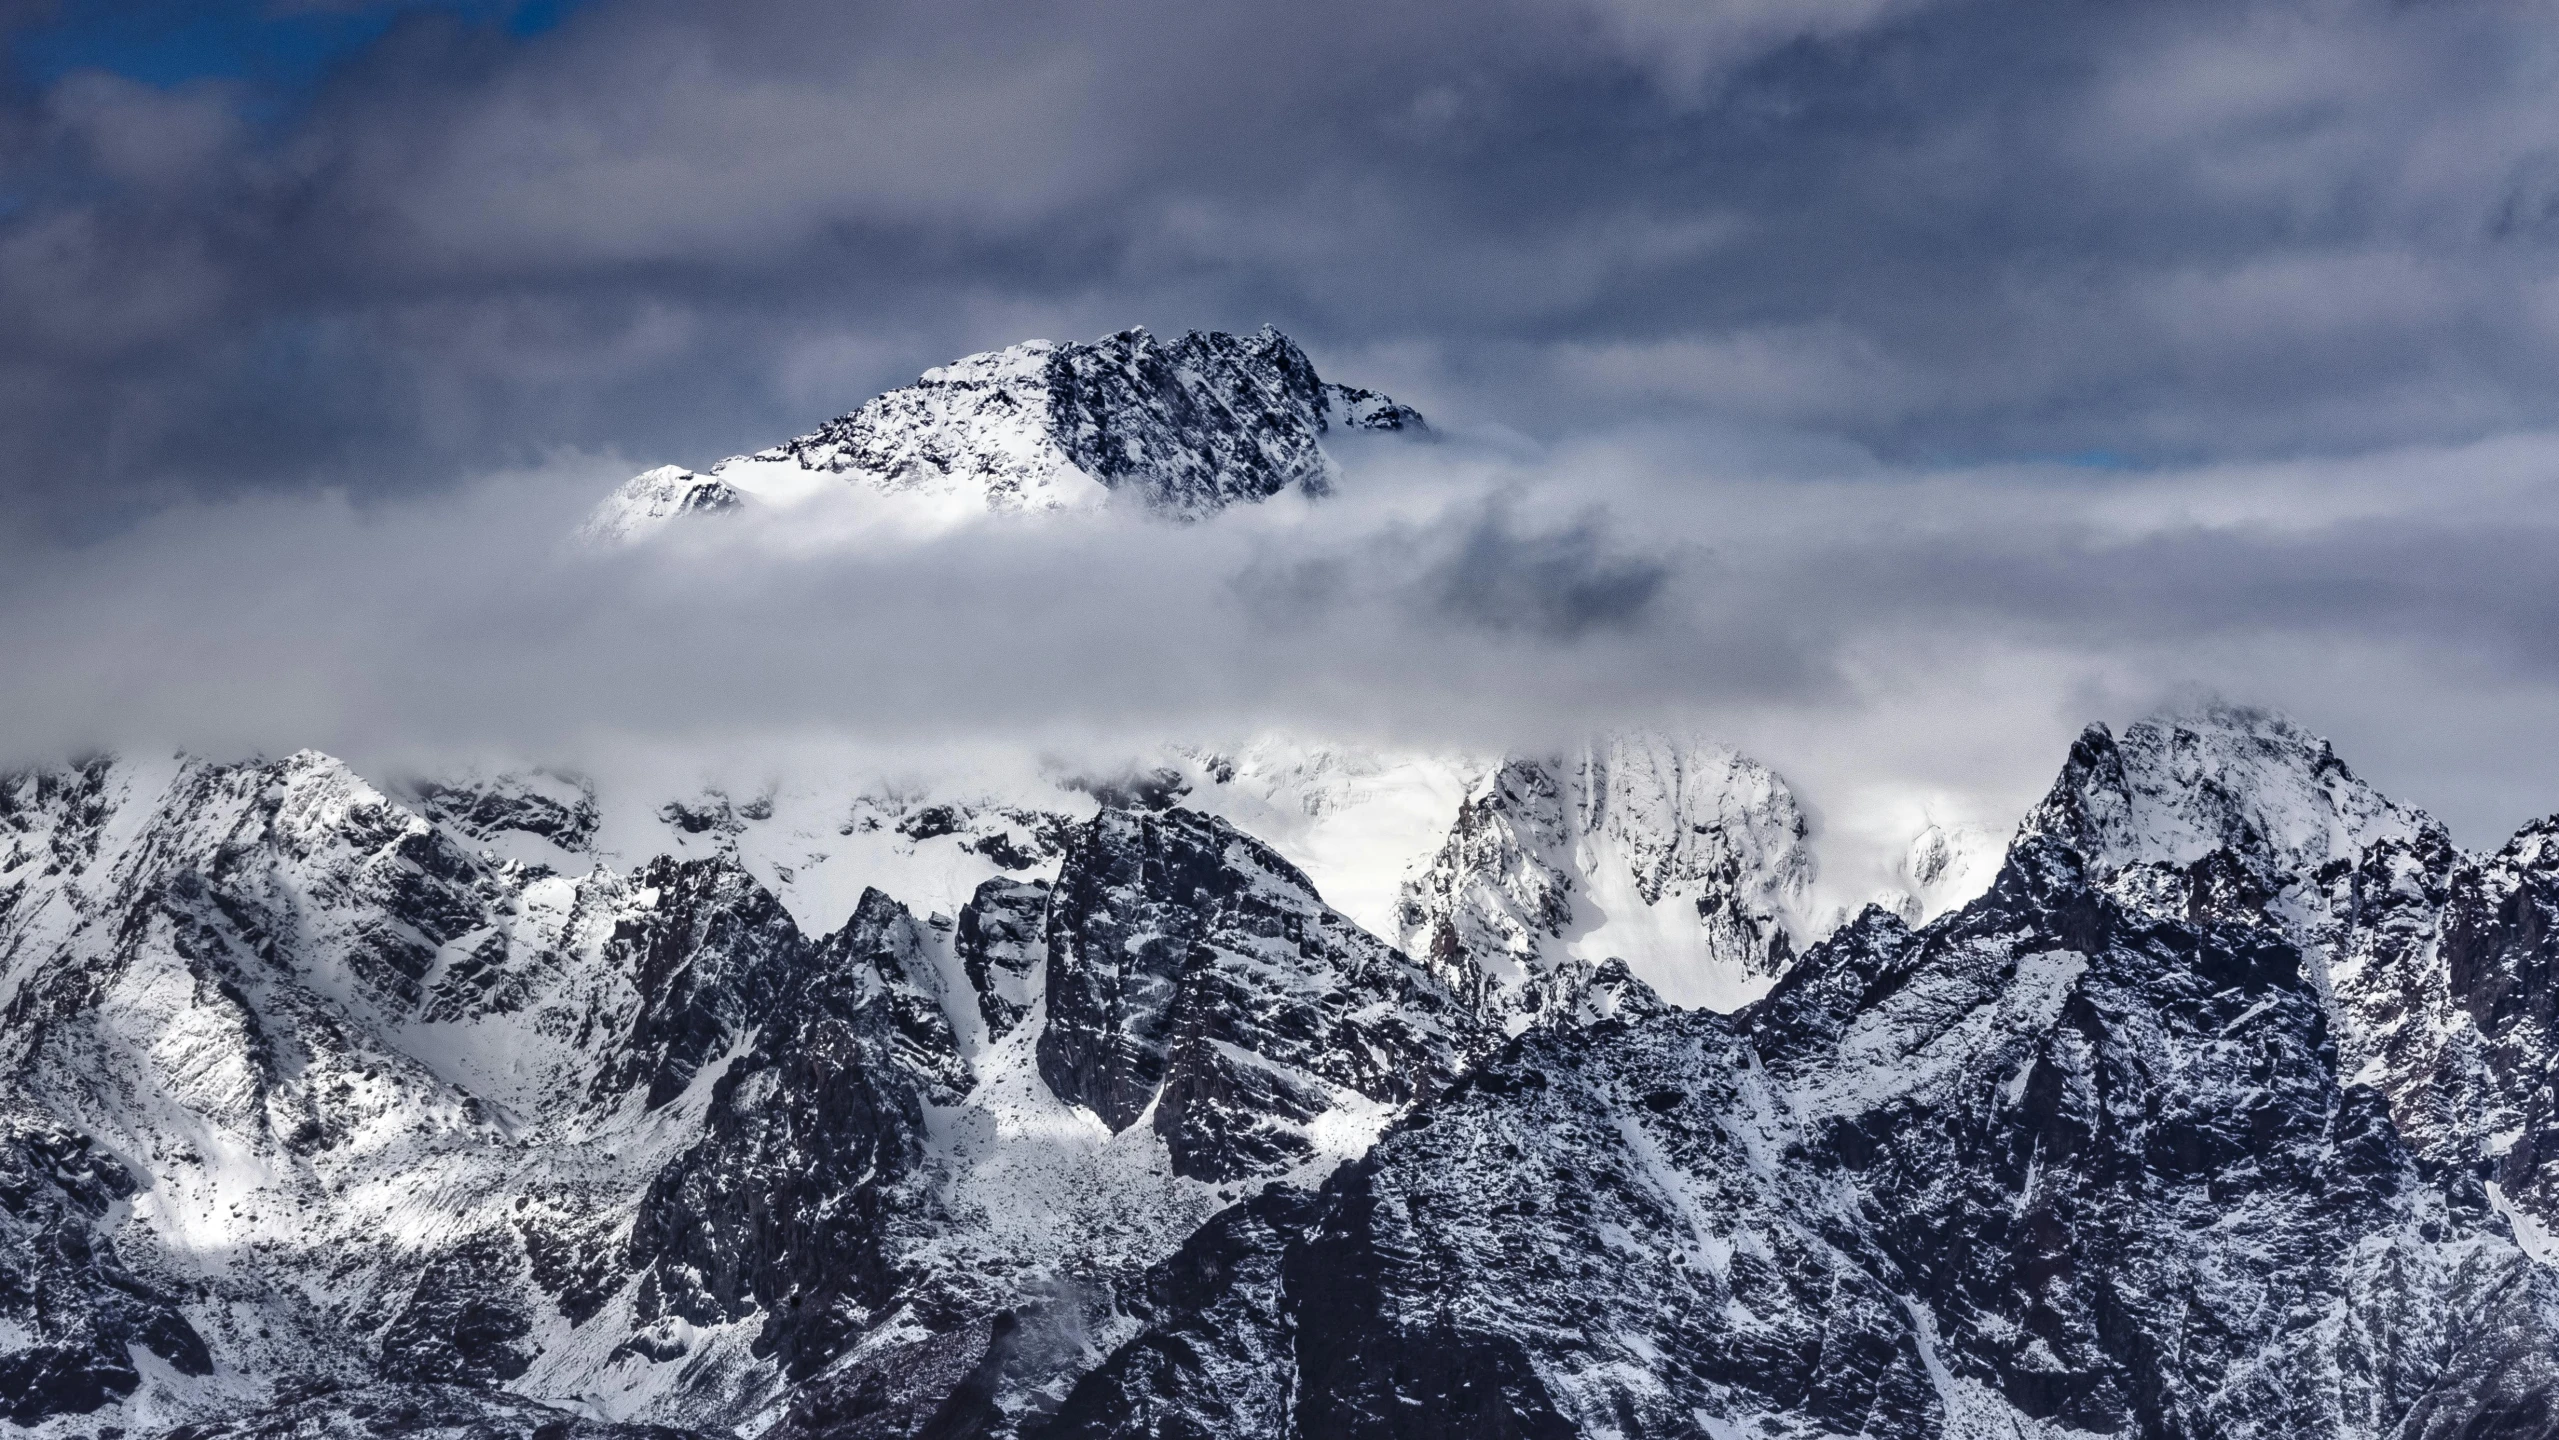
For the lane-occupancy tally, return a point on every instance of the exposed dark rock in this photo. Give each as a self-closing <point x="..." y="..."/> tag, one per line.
<point x="785" y="1204"/>
<point x="414" y="1411"/>
<point x="1188" y="964"/>
<point x="572" y="1252"/>
<point x="2500" y="948"/>
<point x="466" y="1320"/>
<point x="1159" y="788"/>
<point x="1002" y="944"/>
<point x="884" y="939"/>
<point x="558" y="810"/>
<point x="73" y="1312"/>
<point x="708" y="957"/>
<point x="932" y="821"/>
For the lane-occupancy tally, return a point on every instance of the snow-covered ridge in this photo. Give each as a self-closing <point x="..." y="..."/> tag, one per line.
<point x="2278" y="817"/>
<point x="1182" y="427"/>
<point x="757" y="1099"/>
<point x="421" y="1088"/>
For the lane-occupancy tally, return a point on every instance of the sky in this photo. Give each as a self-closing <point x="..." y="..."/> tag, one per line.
<point x="1891" y="385"/>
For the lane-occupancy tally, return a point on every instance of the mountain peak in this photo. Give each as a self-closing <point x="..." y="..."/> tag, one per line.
<point x="1184" y="427"/>
<point x="2218" y="798"/>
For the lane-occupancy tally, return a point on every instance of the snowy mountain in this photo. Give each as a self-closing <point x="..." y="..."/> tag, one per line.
<point x="2049" y="1167"/>
<point x="634" y="1141"/>
<point x="1286" y="1088"/>
<point x="425" y="1098"/>
<point x="2435" y="963"/>
<point x="1182" y="427"/>
<point x="1680" y="857"/>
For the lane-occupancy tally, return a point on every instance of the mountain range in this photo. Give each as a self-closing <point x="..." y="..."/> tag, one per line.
<point x="1301" y="1089"/>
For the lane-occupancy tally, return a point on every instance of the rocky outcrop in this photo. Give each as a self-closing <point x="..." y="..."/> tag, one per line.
<point x="784" y="1207"/>
<point x="709" y="956"/>
<point x="397" y="1411"/>
<point x="1002" y="942"/>
<point x="75" y="1316"/>
<point x="1195" y="977"/>
<point x="559" y="810"/>
<point x="2486" y="1101"/>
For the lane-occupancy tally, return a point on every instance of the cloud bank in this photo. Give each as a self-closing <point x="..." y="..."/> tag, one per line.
<point x="1889" y="386"/>
<point x="1899" y="642"/>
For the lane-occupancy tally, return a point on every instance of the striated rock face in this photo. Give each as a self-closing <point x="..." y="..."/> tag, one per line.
<point x="2048" y="1167"/>
<point x="2436" y="964"/>
<point x="2485" y="1102"/>
<point x="1683" y="859"/>
<point x="1193" y="975"/>
<point x="1180" y="427"/>
<point x="709" y="957"/>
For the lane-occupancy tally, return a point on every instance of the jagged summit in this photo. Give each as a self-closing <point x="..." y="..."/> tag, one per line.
<point x="2228" y="808"/>
<point x="1186" y="427"/>
<point x="1039" y="1101"/>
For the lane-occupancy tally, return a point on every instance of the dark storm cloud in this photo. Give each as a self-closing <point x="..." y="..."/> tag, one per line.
<point x="1949" y="231"/>
<point x="1474" y="568"/>
<point x="1888" y="386"/>
<point x="1561" y="583"/>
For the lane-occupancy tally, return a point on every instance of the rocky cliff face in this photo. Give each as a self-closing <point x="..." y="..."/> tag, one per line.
<point x="781" y="1211"/>
<point x="1179" y="427"/>
<point x="1195" y="980"/>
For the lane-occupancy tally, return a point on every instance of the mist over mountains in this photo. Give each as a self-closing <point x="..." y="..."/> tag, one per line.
<point x="943" y="1015"/>
<point x="857" y="721"/>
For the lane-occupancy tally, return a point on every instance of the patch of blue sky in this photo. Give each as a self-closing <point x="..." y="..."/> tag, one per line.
<point x="285" y="51"/>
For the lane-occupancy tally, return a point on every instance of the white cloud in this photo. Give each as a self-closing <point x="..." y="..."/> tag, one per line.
<point x="1899" y="641"/>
